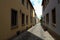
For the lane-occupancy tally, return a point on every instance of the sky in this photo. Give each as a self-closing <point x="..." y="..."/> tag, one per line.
<point x="37" y="6"/>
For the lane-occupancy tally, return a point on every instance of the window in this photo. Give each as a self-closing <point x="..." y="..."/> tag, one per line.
<point x="47" y="1"/>
<point x="30" y="10"/>
<point x="13" y="17"/>
<point x="20" y="12"/>
<point x="20" y="1"/>
<point x="31" y="19"/>
<point x="23" y="2"/>
<point x="26" y="19"/>
<point x="23" y="19"/>
<point x="27" y="5"/>
<point x="43" y="8"/>
<point x="43" y="19"/>
<point x="45" y="4"/>
<point x="47" y="18"/>
<point x="58" y="1"/>
<point x="54" y="16"/>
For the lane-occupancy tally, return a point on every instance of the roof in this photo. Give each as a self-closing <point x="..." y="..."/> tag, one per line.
<point x="42" y="2"/>
<point x="31" y="4"/>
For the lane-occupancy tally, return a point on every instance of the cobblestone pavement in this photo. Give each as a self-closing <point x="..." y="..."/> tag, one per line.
<point x="35" y="33"/>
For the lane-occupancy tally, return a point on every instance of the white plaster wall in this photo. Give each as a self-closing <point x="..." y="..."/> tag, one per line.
<point x="51" y="5"/>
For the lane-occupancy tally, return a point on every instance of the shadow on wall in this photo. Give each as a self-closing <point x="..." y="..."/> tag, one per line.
<point x="27" y="36"/>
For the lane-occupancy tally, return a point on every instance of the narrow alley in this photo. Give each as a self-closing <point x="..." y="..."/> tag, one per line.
<point x="29" y="20"/>
<point x="35" y="33"/>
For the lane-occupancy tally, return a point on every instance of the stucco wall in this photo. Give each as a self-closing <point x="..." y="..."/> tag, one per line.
<point x="51" y="5"/>
<point x="5" y="18"/>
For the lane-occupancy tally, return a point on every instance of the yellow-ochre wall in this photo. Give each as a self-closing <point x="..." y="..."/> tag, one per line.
<point x="5" y="18"/>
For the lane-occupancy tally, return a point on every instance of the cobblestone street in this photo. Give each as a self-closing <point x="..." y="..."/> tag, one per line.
<point x="35" y="33"/>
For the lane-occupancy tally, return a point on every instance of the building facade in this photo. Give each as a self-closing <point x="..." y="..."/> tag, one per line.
<point x="34" y="17"/>
<point x="51" y="14"/>
<point x="15" y="17"/>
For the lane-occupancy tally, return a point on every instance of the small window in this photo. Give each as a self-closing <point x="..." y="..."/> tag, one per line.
<point x="30" y="10"/>
<point x="47" y="18"/>
<point x="26" y="19"/>
<point x="23" y="2"/>
<point x="20" y="11"/>
<point x="20" y="1"/>
<point x="27" y="5"/>
<point x="23" y="19"/>
<point x="47" y="1"/>
<point x="43" y="19"/>
<point x="13" y="17"/>
<point x="54" y="16"/>
<point x="31" y="19"/>
<point x="58" y="1"/>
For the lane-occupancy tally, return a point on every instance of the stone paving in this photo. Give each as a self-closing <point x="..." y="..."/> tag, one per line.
<point x="35" y="33"/>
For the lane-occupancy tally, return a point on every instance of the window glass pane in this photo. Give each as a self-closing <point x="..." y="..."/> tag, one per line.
<point x="13" y="17"/>
<point x="54" y="16"/>
<point x="58" y="1"/>
<point x="23" y="2"/>
<point x="47" y="18"/>
<point x="27" y="5"/>
<point x="23" y="19"/>
<point x="26" y="19"/>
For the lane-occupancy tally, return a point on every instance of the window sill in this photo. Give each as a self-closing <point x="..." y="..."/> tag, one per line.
<point x="13" y="27"/>
<point x="47" y="23"/>
<point x="54" y="25"/>
<point x="23" y="24"/>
